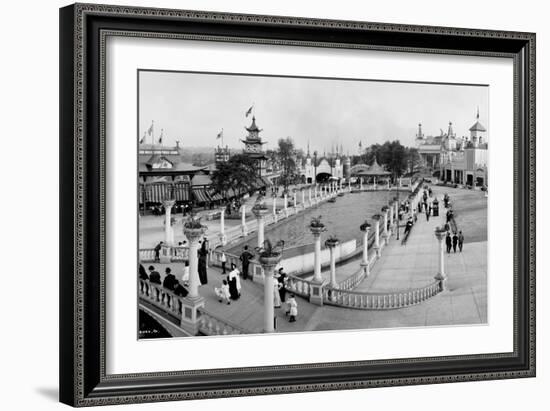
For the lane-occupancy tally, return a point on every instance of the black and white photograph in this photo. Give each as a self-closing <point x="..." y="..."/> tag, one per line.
<point x="279" y="204"/>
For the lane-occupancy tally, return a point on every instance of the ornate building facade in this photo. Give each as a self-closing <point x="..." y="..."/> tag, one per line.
<point x="458" y="160"/>
<point x="320" y="169"/>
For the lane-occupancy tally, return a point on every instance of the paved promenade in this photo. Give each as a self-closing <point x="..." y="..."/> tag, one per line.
<point x="400" y="268"/>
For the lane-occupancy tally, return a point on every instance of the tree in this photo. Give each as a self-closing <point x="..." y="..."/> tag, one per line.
<point x="286" y="154"/>
<point x="238" y="173"/>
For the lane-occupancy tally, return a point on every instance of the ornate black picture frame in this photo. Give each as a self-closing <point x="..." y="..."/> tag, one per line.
<point x="83" y="30"/>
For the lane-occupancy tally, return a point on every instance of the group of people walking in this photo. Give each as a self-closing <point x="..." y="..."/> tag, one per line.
<point x="230" y="288"/>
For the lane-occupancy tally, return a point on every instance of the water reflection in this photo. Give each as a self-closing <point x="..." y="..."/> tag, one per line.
<point x="341" y="218"/>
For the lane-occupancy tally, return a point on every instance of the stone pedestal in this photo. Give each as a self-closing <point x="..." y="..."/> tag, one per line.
<point x="190" y="317"/>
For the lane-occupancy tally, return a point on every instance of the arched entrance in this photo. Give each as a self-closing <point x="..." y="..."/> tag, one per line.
<point x="323" y="177"/>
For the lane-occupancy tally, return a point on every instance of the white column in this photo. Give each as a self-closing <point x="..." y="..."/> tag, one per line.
<point x="275" y="209"/>
<point x="193" y="266"/>
<point x="261" y="225"/>
<point x="243" y="220"/>
<point x="309" y="196"/>
<point x="223" y="238"/>
<point x="440" y="234"/>
<point x="391" y="214"/>
<point x="349" y="185"/>
<point x="168" y="235"/>
<point x="366" y="247"/>
<point x="317" y="258"/>
<point x="303" y="199"/>
<point x="377" y="236"/>
<point x="375" y="183"/>
<point x="385" y="227"/>
<point x="295" y="200"/>
<point x="268" y="299"/>
<point x="333" y="282"/>
<point x="285" y="205"/>
<point x="361" y="183"/>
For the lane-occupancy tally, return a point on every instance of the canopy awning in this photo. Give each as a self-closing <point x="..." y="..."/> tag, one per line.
<point x="159" y="191"/>
<point x="201" y="195"/>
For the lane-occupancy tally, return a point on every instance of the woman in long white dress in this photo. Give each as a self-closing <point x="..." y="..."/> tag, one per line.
<point x="234" y="282"/>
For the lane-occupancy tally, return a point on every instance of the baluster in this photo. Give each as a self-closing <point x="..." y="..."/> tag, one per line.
<point x="378" y="302"/>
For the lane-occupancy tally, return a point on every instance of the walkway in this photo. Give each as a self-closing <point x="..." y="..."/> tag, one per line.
<point x="401" y="267"/>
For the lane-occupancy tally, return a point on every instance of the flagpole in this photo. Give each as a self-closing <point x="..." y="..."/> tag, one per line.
<point x="152" y="134"/>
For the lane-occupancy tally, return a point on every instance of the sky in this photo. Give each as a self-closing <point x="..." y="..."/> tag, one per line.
<point x="194" y="107"/>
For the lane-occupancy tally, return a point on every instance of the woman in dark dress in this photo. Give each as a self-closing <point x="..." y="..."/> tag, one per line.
<point x="203" y="252"/>
<point x="282" y="279"/>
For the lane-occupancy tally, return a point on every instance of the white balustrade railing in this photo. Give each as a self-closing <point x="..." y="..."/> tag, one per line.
<point x="160" y="297"/>
<point x="299" y="286"/>
<point x="209" y="324"/>
<point x="379" y="301"/>
<point x="177" y="254"/>
<point x="353" y="280"/>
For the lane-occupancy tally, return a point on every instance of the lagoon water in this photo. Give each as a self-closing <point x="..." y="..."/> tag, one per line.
<point x="341" y="218"/>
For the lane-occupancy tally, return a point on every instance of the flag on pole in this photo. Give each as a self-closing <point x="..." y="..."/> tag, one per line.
<point x="142" y="138"/>
<point x="249" y="111"/>
<point x="150" y="131"/>
<point x="161" y="135"/>
<point x="220" y="134"/>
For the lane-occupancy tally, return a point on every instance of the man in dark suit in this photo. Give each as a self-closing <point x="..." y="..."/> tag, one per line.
<point x="154" y="276"/>
<point x="245" y="258"/>
<point x="448" y="242"/>
<point x="169" y="279"/>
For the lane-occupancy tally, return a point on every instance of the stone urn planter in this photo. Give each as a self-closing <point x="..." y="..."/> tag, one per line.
<point x="332" y="242"/>
<point x="365" y="226"/>
<point x="270" y="255"/>
<point x="193" y="228"/>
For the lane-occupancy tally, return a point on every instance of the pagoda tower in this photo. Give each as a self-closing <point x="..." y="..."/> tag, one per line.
<point x="253" y="147"/>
